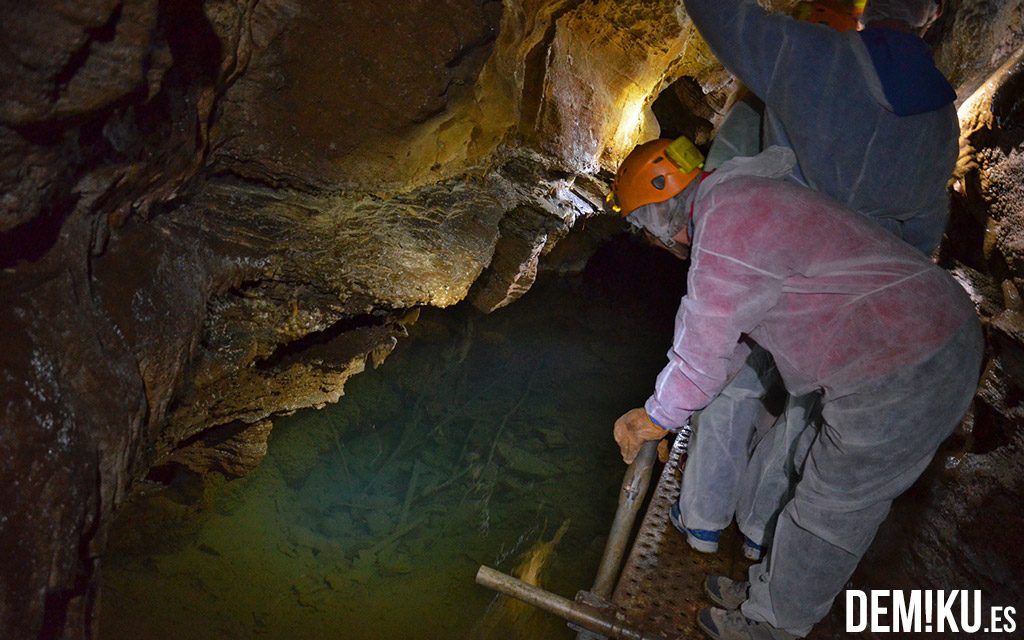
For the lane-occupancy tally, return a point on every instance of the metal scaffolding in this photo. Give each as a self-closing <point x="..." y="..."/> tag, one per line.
<point x="661" y="586"/>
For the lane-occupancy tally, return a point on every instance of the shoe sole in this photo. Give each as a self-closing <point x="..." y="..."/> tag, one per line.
<point x="718" y="599"/>
<point x="712" y="596"/>
<point x="710" y="632"/>
<point x="704" y="546"/>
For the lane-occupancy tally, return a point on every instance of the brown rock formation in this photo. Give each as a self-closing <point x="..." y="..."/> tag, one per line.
<point x="215" y="212"/>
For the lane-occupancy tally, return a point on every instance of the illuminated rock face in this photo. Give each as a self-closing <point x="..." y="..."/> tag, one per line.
<point x="611" y="59"/>
<point x="214" y="212"/>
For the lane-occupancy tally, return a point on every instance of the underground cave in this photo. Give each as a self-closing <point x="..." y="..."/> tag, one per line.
<point x="313" y="309"/>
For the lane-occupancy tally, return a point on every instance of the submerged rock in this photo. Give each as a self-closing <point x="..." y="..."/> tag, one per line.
<point x="523" y="462"/>
<point x="553" y="438"/>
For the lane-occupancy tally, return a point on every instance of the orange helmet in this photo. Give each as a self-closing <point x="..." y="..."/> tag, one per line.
<point x="839" y="16"/>
<point x="654" y="172"/>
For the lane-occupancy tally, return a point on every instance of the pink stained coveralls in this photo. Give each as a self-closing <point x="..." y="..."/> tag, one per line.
<point x="845" y="307"/>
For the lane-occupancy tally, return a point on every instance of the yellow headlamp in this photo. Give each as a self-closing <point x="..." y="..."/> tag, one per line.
<point x="612" y="202"/>
<point x="685" y="155"/>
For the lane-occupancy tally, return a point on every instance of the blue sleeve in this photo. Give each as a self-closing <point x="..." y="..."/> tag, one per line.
<point x="756" y="46"/>
<point x="924" y="232"/>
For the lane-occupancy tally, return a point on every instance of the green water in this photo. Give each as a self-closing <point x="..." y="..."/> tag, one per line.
<point x="477" y="440"/>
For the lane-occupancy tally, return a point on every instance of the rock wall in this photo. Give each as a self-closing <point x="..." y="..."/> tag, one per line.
<point x="216" y="212"/>
<point x="105" y="108"/>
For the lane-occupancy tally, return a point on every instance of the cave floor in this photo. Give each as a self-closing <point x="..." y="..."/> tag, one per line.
<point x="477" y="442"/>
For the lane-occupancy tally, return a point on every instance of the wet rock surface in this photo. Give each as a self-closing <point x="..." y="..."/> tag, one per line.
<point x="633" y="51"/>
<point x="216" y="212"/>
<point x="974" y="37"/>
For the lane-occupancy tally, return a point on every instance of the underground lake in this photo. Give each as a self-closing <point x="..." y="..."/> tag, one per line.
<point x="483" y="439"/>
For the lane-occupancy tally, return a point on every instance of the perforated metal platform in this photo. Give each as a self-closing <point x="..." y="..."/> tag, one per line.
<point x="662" y="583"/>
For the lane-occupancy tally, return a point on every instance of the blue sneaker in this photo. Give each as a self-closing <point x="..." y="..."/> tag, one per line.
<point x="752" y="550"/>
<point x="701" y="540"/>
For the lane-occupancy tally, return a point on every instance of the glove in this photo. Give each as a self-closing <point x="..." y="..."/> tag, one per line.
<point x="632" y="430"/>
<point x="663" y="451"/>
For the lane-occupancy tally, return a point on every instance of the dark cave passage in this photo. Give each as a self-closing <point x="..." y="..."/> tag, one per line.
<point x="480" y="437"/>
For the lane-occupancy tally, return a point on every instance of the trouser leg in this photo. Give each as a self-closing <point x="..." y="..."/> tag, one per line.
<point x="768" y="482"/>
<point x="720" y="448"/>
<point x="873" y="443"/>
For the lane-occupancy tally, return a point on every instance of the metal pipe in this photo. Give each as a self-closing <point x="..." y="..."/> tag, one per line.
<point x="634" y="490"/>
<point x="573" y="612"/>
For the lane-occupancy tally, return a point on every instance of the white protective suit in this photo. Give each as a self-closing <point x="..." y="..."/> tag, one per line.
<point x="824" y="98"/>
<point x="890" y="339"/>
<point x="739" y="135"/>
